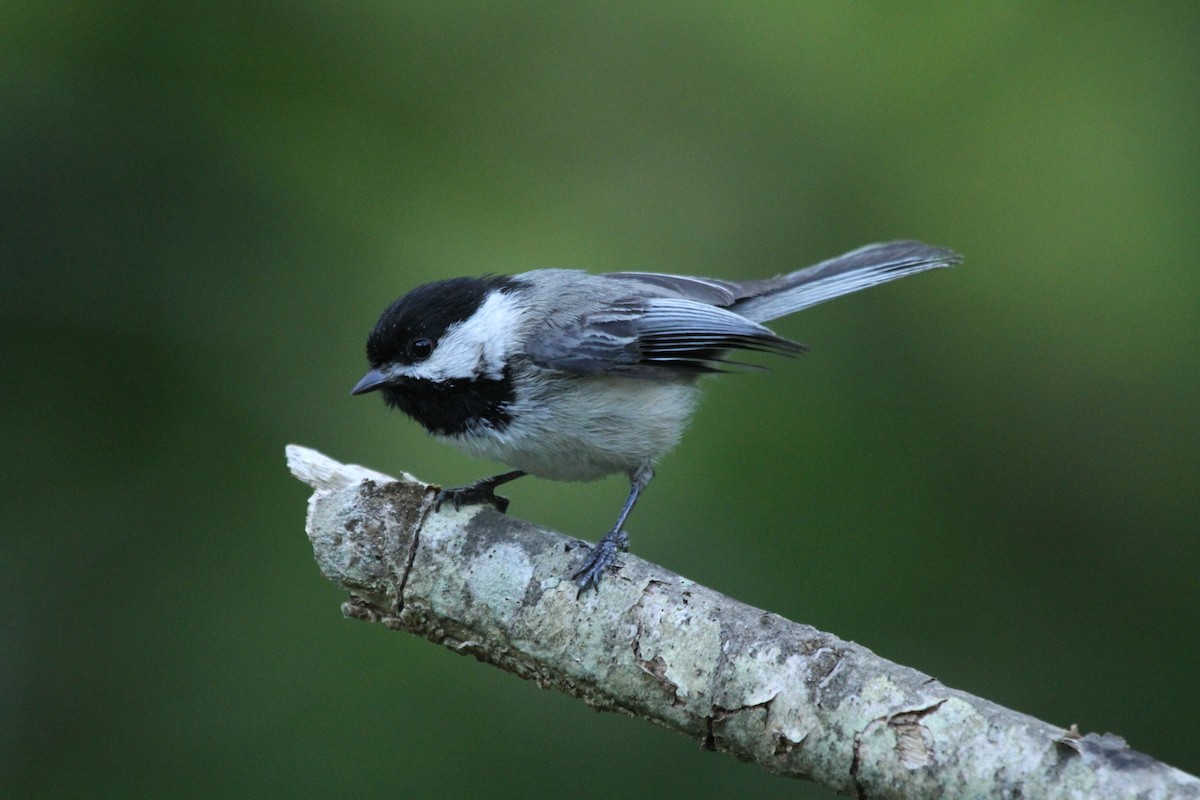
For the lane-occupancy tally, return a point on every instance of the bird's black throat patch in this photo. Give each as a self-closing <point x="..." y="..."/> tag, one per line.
<point x="454" y="407"/>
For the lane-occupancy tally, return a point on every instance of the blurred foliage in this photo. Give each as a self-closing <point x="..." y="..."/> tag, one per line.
<point x="991" y="474"/>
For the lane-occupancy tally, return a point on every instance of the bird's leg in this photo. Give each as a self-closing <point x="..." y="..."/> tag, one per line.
<point x="604" y="554"/>
<point x="479" y="492"/>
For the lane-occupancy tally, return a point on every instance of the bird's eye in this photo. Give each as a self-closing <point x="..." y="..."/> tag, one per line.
<point x="420" y="349"/>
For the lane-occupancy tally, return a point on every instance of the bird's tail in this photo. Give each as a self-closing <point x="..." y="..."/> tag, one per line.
<point x="867" y="266"/>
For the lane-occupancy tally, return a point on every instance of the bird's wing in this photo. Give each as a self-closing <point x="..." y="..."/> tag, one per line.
<point x="659" y="337"/>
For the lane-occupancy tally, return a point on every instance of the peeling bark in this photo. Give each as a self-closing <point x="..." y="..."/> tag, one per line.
<point x="737" y="679"/>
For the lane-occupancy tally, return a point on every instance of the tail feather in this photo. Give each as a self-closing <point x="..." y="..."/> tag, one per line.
<point x="868" y="266"/>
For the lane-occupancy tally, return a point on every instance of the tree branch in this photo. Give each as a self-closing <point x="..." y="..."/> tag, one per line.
<point x="737" y="679"/>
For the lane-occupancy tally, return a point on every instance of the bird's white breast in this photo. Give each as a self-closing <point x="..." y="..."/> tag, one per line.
<point x="580" y="428"/>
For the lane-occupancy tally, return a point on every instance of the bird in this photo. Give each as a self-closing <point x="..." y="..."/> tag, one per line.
<point x="571" y="376"/>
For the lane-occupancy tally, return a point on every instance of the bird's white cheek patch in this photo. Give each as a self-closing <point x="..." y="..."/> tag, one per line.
<point x="477" y="347"/>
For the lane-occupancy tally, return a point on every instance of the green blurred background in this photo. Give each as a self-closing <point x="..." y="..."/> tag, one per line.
<point x="990" y="473"/>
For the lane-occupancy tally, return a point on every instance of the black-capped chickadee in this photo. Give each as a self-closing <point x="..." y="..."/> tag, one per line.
<point x="571" y="376"/>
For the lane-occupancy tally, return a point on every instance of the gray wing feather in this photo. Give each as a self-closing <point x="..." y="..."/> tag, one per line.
<point x="656" y="338"/>
<point x="684" y="330"/>
<point x="596" y="343"/>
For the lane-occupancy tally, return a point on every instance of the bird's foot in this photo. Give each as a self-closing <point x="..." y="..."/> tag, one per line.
<point x="603" y="556"/>
<point x="473" y="494"/>
<point x="477" y="493"/>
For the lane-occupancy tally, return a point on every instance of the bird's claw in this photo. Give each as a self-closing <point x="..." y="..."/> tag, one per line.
<point x="603" y="556"/>
<point x="478" y="493"/>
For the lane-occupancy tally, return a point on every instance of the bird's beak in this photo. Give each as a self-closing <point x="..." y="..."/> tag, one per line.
<point x="370" y="382"/>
